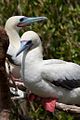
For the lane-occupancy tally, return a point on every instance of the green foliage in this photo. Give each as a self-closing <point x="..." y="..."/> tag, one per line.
<point x="60" y="33"/>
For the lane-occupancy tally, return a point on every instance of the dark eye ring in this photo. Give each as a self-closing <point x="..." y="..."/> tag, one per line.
<point x="29" y="42"/>
<point x="22" y="19"/>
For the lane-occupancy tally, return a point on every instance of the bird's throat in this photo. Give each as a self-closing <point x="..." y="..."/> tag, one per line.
<point x="14" y="38"/>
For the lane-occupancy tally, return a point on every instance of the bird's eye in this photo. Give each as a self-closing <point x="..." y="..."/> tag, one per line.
<point x="22" y="19"/>
<point x="29" y="42"/>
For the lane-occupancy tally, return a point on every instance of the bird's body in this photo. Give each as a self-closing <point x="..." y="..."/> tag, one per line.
<point x="49" y="78"/>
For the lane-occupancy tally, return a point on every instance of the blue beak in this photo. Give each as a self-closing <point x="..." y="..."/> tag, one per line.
<point x="28" y="20"/>
<point x="24" y="45"/>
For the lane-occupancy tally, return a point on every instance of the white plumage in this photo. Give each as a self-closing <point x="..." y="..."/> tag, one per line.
<point x="48" y="78"/>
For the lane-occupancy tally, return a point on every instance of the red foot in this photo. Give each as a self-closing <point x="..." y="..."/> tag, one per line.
<point x="49" y="104"/>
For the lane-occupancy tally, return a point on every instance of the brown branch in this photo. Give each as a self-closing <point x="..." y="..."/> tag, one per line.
<point x="68" y="108"/>
<point x="4" y="88"/>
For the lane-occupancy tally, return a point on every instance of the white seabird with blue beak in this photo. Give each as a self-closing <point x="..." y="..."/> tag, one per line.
<point x="48" y="78"/>
<point x="12" y="27"/>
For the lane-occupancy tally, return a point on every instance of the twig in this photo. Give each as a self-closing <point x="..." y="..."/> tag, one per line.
<point x="32" y="106"/>
<point x="68" y="108"/>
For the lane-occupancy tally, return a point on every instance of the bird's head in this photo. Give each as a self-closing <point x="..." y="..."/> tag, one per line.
<point x="16" y="22"/>
<point x="29" y="41"/>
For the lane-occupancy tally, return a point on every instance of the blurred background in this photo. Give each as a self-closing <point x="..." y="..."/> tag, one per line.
<point x="60" y="33"/>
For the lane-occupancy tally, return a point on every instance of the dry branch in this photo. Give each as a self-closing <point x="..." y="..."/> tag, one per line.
<point x="68" y="108"/>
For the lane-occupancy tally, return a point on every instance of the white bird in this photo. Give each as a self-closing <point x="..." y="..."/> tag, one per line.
<point x="12" y="27"/>
<point x="48" y="78"/>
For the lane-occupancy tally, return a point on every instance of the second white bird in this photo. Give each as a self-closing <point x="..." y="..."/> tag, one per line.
<point x="48" y="78"/>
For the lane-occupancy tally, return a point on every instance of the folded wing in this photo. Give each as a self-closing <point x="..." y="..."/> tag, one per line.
<point x="64" y="74"/>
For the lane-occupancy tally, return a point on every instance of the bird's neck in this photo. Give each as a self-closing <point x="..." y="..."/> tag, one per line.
<point x="14" y="37"/>
<point x="34" y="55"/>
<point x="31" y="58"/>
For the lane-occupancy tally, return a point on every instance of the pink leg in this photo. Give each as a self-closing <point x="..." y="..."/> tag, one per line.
<point x="49" y="104"/>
